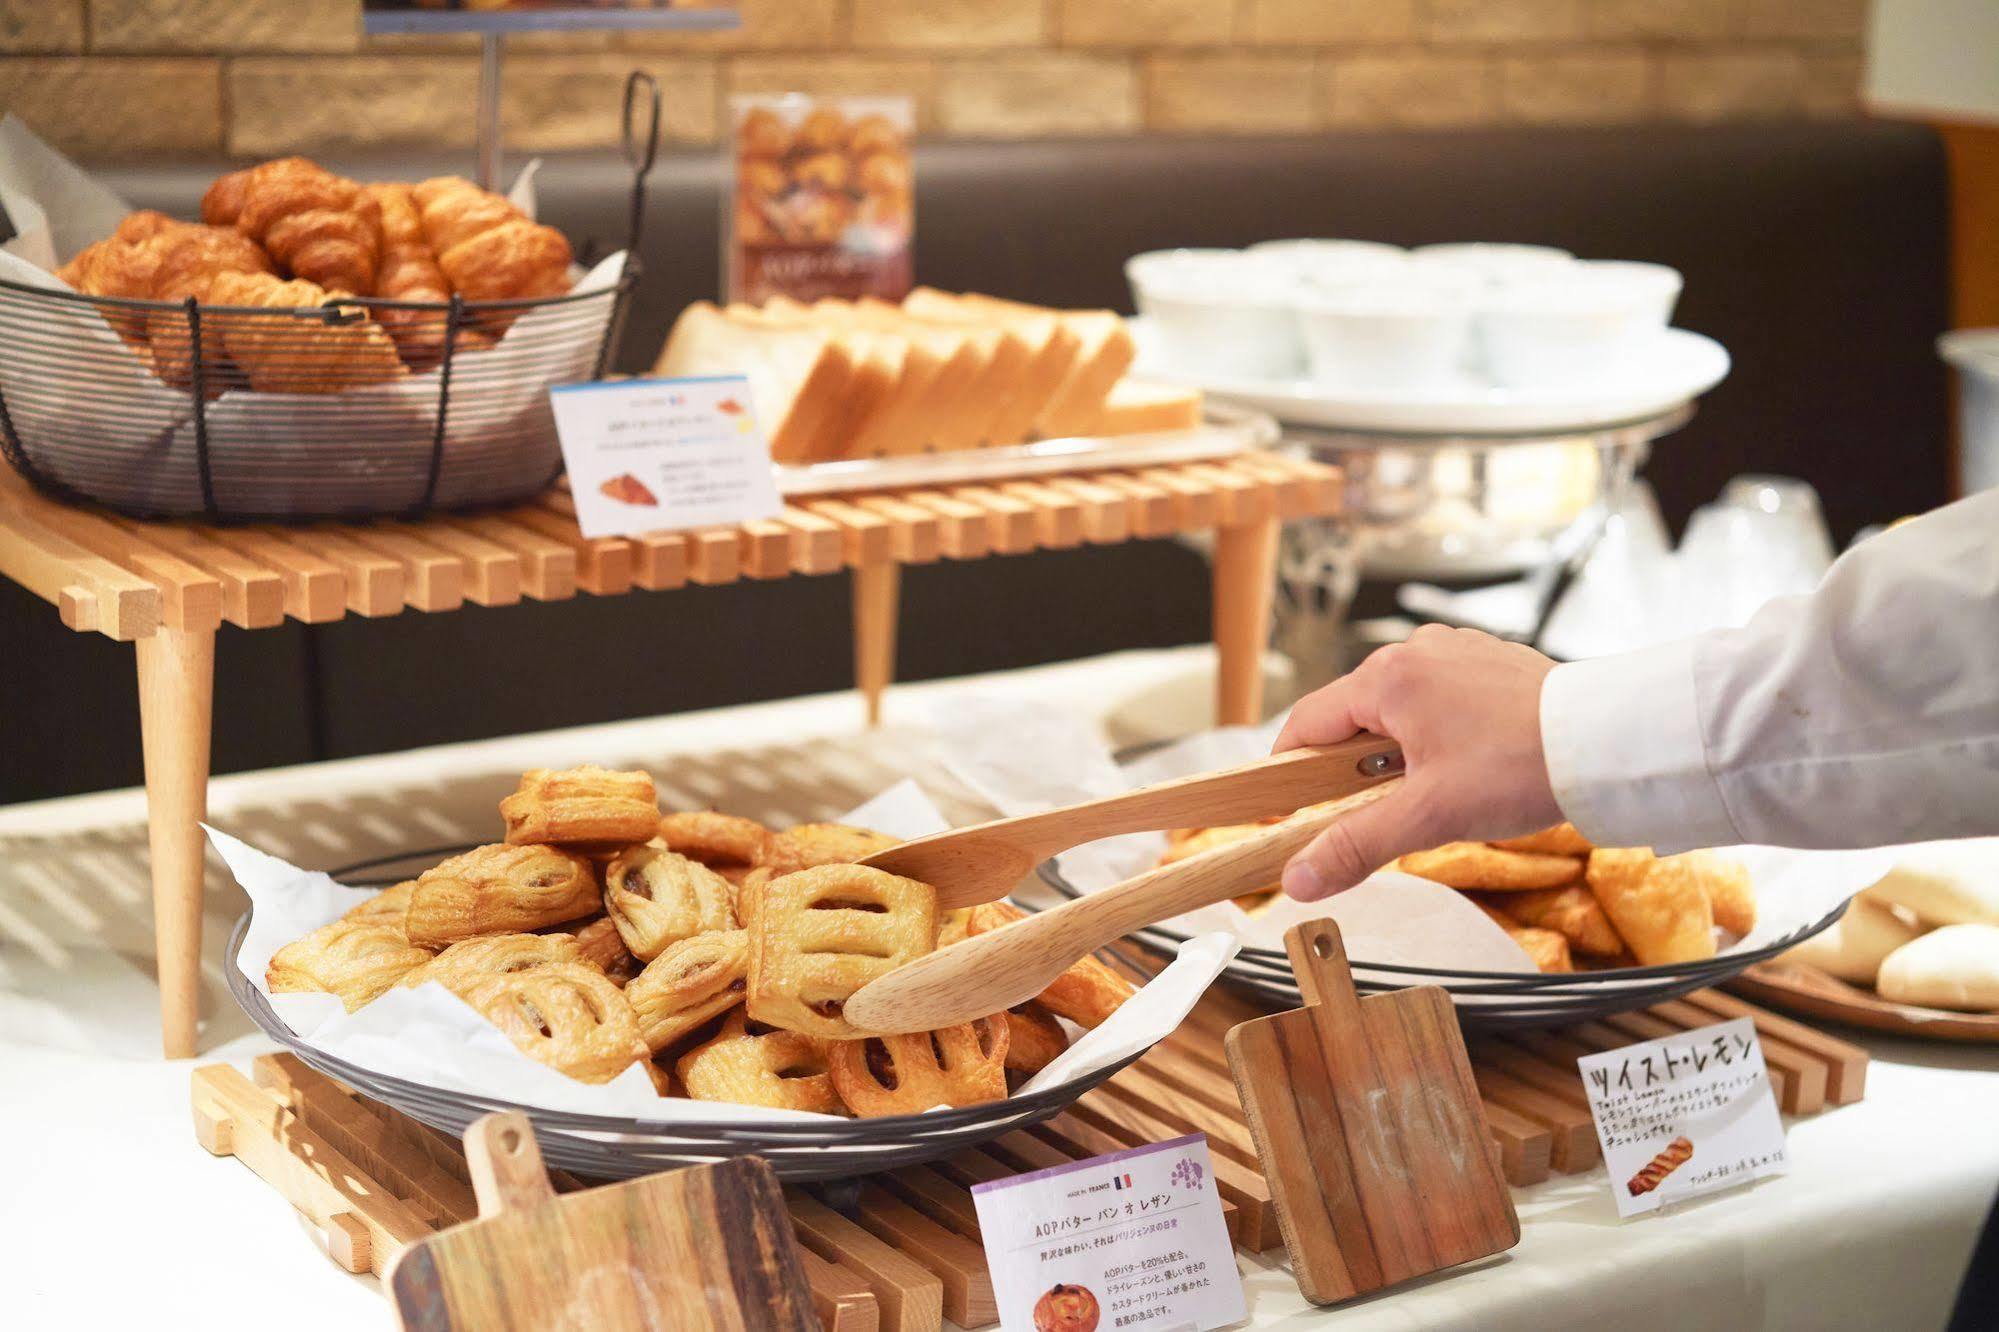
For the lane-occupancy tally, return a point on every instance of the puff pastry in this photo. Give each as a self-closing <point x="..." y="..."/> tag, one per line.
<point x="689" y="983"/>
<point x="299" y="355"/>
<point x="781" y="1069"/>
<point x="1560" y="840"/>
<point x="488" y="249"/>
<point x="820" y="934"/>
<point x="320" y="226"/>
<point x="718" y="841"/>
<point x="1476" y="865"/>
<point x="810" y="845"/>
<point x="603" y="947"/>
<point x="1086" y="993"/>
<point x="1573" y="912"/>
<point x="565" y="1015"/>
<point x="1033" y="1038"/>
<point x="1658" y="906"/>
<point x="472" y="960"/>
<point x="354" y="959"/>
<point x="500" y="890"/>
<point x="907" y="1074"/>
<point x="390" y="905"/>
<point x="1730" y="894"/>
<point x="583" y="807"/>
<point x="658" y="898"/>
<point x="1547" y="950"/>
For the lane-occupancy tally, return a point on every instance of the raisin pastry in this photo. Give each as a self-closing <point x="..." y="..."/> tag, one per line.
<point x="390" y="905"/>
<point x="354" y="959"/>
<point x="908" y="1074"/>
<point x="566" y="1015"/>
<point x="687" y="984"/>
<point x="820" y="934"/>
<point x="472" y="960"/>
<point x="499" y="890"/>
<point x="779" y="1069"/>
<point x="810" y="845"/>
<point x="658" y="898"/>
<point x="602" y="947"/>
<point x="1086" y="993"/>
<point x="585" y="807"/>
<point x="1033" y="1038"/>
<point x="719" y="841"/>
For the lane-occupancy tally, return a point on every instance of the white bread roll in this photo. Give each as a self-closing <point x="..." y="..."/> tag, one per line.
<point x="1858" y="942"/>
<point x="1954" y="967"/>
<point x="1945" y="883"/>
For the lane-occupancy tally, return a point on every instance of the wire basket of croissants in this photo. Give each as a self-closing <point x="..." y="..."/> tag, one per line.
<point x="313" y="347"/>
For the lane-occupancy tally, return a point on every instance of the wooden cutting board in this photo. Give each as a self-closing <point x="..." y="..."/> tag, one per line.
<point x="709" y="1247"/>
<point x="1369" y="1128"/>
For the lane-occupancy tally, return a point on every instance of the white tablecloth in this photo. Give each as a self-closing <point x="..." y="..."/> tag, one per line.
<point x="111" y="1215"/>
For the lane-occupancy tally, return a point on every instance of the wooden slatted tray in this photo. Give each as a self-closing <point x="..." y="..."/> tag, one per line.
<point x="903" y="1251"/>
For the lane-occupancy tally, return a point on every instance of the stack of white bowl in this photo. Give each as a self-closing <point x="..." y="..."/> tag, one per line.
<point x="1363" y="318"/>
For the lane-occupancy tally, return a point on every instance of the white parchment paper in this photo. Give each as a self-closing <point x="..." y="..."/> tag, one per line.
<point x="429" y="1035"/>
<point x="1024" y="756"/>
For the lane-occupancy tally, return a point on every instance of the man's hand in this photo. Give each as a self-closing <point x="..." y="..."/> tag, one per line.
<point x="1466" y="709"/>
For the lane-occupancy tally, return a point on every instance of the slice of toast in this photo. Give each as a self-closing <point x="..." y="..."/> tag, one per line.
<point x="795" y="373"/>
<point x="875" y="362"/>
<point x="1104" y="352"/>
<point x="898" y="425"/>
<point x="1137" y="406"/>
<point x="1049" y="344"/>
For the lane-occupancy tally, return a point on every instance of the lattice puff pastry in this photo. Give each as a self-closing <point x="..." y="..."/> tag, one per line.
<point x="904" y="1075"/>
<point x="603" y="947"/>
<point x="355" y="959"/>
<point x="658" y="898"/>
<point x="775" y="1068"/>
<point x="458" y="967"/>
<point x="719" y="841"/>
<point x="499" y="890"/>
<point x="390" y="905"/>
<point x="1033" y="1038"/>
<point x="565" y="1015"/>
<point x="581" y="807"/>
<point x="689" y="983"/>
<point x="1086" y="993"/>
<point x="820" y="934"/>
<point x="810" y="845"/>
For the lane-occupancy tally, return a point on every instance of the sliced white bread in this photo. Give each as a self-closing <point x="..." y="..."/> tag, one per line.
<point x="953" y="412"/>
<point x="1136" y="406"/>
<point x="898" y="425"/>
<point x="876" y="368"/>
<point x="1104" y="351"/>
<point x="1051" y="347"/>
<point x="795" y="373"/>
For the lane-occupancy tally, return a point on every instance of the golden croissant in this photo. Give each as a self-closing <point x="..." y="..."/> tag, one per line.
<point x="408" y="272"/>
<point x="489" y="249"/>
<point x="319" y="226"/>
<point x="285" y="355"/>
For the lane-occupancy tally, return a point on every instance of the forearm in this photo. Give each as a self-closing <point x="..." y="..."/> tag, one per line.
<point x="1865" y="713"/>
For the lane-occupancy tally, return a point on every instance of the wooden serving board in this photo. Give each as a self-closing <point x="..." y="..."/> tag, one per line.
<point x="370" y="1181"/>
<point x="1807" y="990"/>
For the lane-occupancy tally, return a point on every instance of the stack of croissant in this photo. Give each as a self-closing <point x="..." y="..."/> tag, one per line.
<point x="289" y="233"/>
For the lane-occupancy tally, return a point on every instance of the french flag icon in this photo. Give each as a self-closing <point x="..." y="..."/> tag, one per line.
<point x="1120" y="1181"/>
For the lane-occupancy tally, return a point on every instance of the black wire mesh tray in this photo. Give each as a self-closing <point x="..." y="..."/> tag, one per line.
<point x="618" y="1147"/>
<point x="1486" y="1000"/>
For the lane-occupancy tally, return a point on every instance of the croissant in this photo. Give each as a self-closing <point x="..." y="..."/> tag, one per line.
<point x="222" y="204"/>
<point x="302" y="355"/>
<point x="487" y="248"/>
<point x="190" y="258"/>
<point x="409" y="272"/>
<point x="320" y="226"/>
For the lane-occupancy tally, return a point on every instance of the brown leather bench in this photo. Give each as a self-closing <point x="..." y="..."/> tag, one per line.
<point x="1814" y="251"/>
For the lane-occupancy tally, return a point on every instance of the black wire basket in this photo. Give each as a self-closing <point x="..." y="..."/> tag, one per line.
<point x="1486" y="1000"/>
<point x="356" y="408"/>
<point x="617" y="1147"/>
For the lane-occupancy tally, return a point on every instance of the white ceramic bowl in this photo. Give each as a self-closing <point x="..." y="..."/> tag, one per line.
<point x="1655" y="284"/>
<point x="1559" y="331"/>
<point x="1493" y="261"/>
<point x="1393" y="339"/>
<point x="1219" y="311"/>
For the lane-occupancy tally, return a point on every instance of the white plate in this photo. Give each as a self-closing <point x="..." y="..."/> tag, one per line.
<point x="1676" y="368"/>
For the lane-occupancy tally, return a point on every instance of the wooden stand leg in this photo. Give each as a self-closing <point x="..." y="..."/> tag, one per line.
<point x="877" y="598"/>
<point x="1245" y="580"/>
<point x="176" y="693"/>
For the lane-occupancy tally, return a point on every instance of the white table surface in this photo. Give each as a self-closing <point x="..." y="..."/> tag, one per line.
<point x="111" y="1215"/>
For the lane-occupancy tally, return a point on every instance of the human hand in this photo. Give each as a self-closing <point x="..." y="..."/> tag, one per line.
<point x="1466" y="709"/>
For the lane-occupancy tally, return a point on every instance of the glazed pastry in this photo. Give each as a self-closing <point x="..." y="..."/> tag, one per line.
<point x="1658" y="906"/>
<point x="487" y="248"/>
<point x="1086" y="993"/>
<point x="658" y="898"/>
<point x="820" y="934"/>
<point x="354" y="959"/>
<point x="780" y="1069"/>
<point x="747" y="895"/>
<point x="582" y="807"/>
<point x="565" y="1015"/>
<point x="687" y="984"/>
<point x="1033" y="1038"/>
<point x="908" y="1074"/>
<point x="1676" y="1154"/>
<point x="603" y="947"/>
<point x="319" y="226"/>
<point x="222" y="204"/>
<point x="471" y="960"/>
<point x="1475" y="865"/>
<point x="1547" y="950"/>
<point x="716" y="840"/>
<point x="408" y="272"/>
<point x="299" y="355"/>
<point x="390" y="905"/>
<point x="812" y="844"/>
<point x="1730" y="894"/>
<point x="1573" y="912"/>
<point x="500" y="890"/>
<point x="153" y="257"/>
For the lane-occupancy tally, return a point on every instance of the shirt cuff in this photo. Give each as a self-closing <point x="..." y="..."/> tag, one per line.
<point x="1626" y="753"/>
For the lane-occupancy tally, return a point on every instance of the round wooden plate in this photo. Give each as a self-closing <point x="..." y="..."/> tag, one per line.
<point x="1812" y="992"/>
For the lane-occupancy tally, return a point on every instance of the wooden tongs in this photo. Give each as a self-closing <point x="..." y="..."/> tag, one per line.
<point x="991" y="972"/>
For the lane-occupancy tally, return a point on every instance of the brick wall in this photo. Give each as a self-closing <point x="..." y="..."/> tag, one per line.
<point x="258" y="77"/>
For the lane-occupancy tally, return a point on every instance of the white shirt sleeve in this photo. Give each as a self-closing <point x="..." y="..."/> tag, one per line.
<point x="1864" y="714"/>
